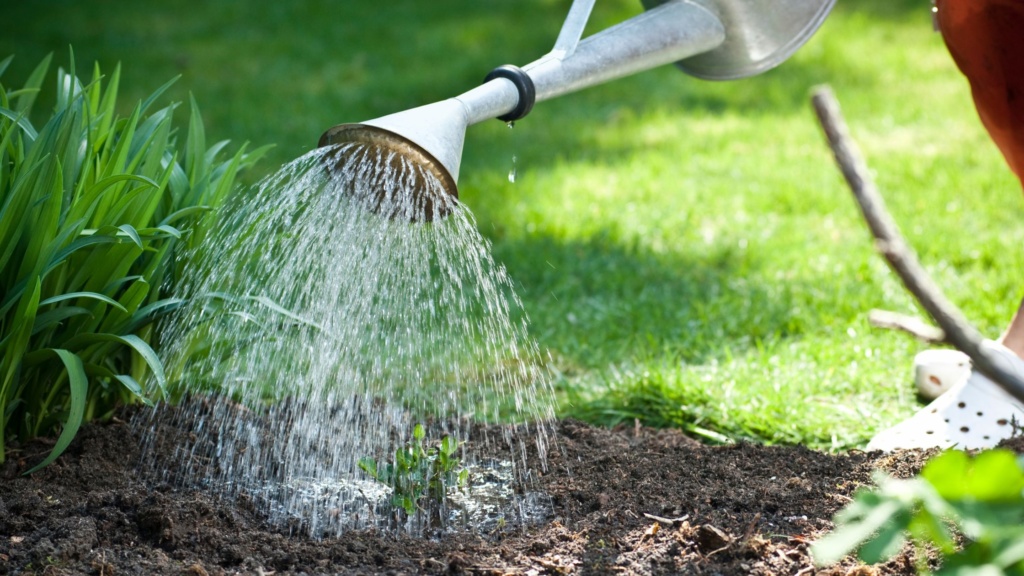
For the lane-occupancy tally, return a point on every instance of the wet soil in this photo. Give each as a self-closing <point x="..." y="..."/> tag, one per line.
<point x="625" y="501"/>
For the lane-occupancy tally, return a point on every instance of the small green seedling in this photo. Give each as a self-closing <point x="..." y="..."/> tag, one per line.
<point x="980" y="497"/>
<point x="418" y="473"/>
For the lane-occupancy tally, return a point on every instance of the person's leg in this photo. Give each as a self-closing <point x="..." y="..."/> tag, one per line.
<point x="986" y="41"/>
<point x="1013" y="338"/>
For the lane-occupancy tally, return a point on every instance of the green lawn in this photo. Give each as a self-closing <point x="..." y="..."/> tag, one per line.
<point x="685" y="249"/>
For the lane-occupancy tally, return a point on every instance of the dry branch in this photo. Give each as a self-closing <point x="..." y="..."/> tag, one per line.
<point x="910" y="324"/>
<point x="901" y="258"/>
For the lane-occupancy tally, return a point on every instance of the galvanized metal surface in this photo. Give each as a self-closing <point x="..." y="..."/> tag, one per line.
<point x="663" y="35"/>
<point x="675" y="30"/>
<point x="759" y="35"/>
<point x="572" y="29"/>
<point x="717" y="39"/>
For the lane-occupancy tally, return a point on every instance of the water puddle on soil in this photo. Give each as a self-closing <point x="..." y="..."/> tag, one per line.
<point x="325" y="319"/>
<point x="488" y="502"/>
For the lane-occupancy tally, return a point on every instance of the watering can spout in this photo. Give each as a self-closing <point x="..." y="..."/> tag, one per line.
<point x="716" y="39"/>
<point x="425" y="142"/>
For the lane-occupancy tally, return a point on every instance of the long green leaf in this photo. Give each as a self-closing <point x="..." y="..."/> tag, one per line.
<point x="195" y="145"/>
<point x="151" y="313"/>
<point x="106" y="112"/>
<point x="131" y="299"/>
<point x="79" y="243"/>
<point x="12" y="350"/>
<point x="51" y="318"/>
<point x="119" y="283"/>
<point x="118" y="178"/>
<point x="185" y="213"/>
<point x="132" y="233"/>
<point x="161" y="231"/>
<point x="157" y="93"/>
<point x="87" y="238"/>
<point x="21" y="121"/>
<point x="132" y="386"/>
<point x="18" y="199"/>
<point x="848" y="537"/>
<point x="132" y="341"/>
<point x="91" y="295"/>
<point x="18" y="340"/>
<point x="32" y="85"/>
<point x="284" y="311"/>
<point x="79" y="385"/>
<point x="5" y="63"/>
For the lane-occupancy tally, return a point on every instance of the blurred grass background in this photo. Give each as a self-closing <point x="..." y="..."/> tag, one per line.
<point x="685" y="249"/>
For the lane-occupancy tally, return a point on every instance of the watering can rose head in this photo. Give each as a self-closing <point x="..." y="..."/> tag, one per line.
<point x="389" y="173"/>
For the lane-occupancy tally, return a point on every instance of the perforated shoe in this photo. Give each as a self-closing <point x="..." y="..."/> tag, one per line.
<point x="937" y="371"/>
<point x="975" y="413"/>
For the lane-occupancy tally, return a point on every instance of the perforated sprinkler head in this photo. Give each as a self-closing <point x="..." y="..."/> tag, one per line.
<point x="402" y="180"/>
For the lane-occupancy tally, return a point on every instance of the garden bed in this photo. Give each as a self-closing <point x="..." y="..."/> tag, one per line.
<point x="632" y="500"/>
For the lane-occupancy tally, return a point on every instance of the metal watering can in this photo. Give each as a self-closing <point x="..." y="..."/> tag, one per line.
<point x="711" y="39"/>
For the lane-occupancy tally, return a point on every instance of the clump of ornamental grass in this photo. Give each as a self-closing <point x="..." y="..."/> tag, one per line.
<point x="96" y="210"/>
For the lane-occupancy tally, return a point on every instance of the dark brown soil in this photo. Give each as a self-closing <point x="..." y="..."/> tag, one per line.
<point x="634" y="501"/>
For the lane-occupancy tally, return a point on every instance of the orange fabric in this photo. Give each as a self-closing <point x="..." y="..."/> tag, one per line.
<point x="986" y="39"/>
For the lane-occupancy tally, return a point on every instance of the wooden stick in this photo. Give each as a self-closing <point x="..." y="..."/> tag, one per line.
<point x="901" y="258"/>
<point x="909" y="324"/>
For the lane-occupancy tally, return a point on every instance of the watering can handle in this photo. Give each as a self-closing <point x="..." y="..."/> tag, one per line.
<point x="572" y="28"/>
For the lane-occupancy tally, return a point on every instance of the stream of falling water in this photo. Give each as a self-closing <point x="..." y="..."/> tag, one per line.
<point x="322" y="324"/>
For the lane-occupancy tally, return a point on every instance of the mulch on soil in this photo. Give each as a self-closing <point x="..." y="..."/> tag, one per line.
<point x="626" y="501"/>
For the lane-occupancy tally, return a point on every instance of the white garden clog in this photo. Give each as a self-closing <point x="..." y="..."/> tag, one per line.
<point x="974" y="413"/>
<point x="938" y="370"/>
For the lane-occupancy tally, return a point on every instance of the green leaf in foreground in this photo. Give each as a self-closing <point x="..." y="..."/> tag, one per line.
<point x="993" y="476"/>
<point x="982" y="497"/>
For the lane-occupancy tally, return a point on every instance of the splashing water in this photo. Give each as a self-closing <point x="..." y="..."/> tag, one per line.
<point x="325" y="320"/>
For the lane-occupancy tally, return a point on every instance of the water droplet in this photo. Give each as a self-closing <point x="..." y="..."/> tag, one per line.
<point x="511" y="124"/>
<point x="512" y="171"/>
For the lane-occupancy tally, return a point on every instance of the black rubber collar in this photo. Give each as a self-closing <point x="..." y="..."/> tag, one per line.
<point x="524" y="84"/>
